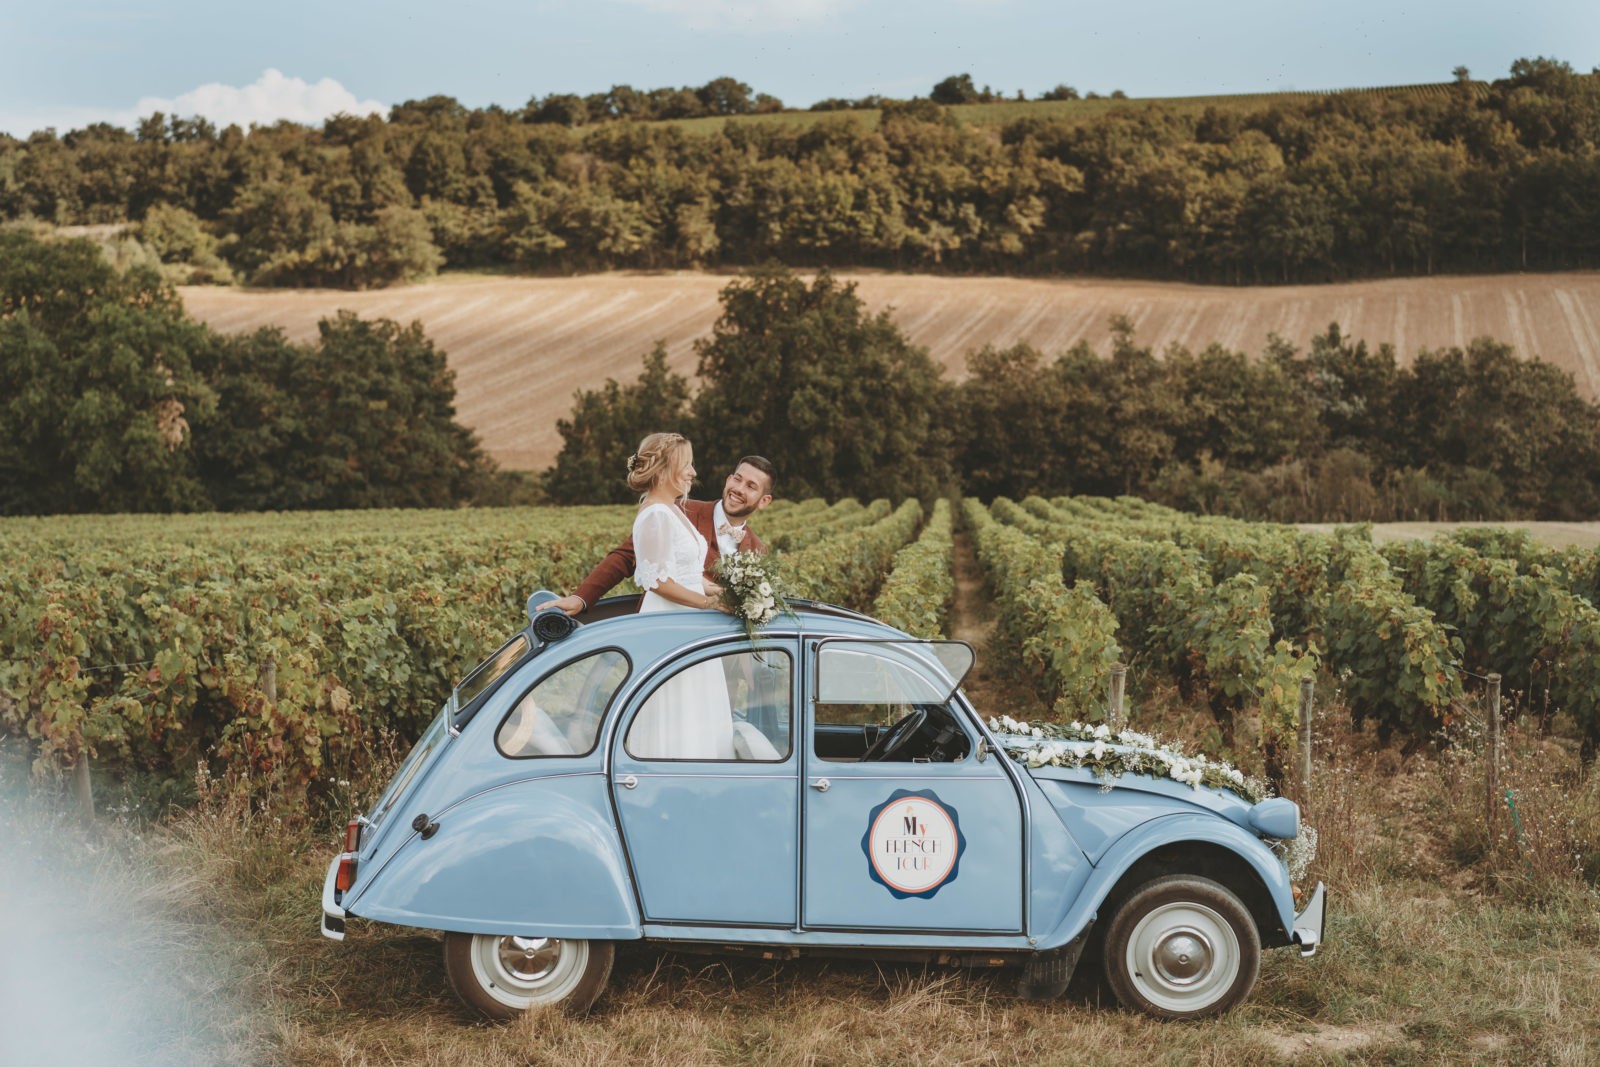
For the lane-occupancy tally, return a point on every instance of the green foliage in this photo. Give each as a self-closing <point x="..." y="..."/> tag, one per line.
<point x="849" y="566"/>
<point x="143" y="645"/>
<point x="184" y="243"/>
<point x="1057" y="637"/>
<point x="1338" y="433"/>
<point x="366" y="418"/>
<point x="115" y="401"/>
<point x="917" y="595"/>
<point x="840" y="401"/>
<point x="98" y="384"/>
<point x="607" y="424"/>
<point x="1287" y="187"/>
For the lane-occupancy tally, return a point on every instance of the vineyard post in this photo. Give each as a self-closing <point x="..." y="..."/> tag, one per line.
<point x="83" y="788"/>
<point x="1491" y="759"/>
<point x="1306" y="688"/>
<point x="269" y="679"/>
<point x="1119" y="680"/>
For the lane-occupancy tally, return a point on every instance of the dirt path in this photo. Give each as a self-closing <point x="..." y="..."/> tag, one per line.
<point x="972" y="619"/>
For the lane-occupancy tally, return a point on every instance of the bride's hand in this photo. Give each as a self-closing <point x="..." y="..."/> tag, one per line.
<point x="713" y="593"/>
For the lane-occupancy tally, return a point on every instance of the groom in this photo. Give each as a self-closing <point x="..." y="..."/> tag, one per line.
<point x="722" y="523"/>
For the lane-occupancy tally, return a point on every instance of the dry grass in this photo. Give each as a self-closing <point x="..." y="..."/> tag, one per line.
<point x="520" y="347"/>
<point x="1444" y="946"/>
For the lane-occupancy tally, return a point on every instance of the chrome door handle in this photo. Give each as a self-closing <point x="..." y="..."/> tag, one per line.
<point x="820" y="785"/>
<point x="627" y="781"/>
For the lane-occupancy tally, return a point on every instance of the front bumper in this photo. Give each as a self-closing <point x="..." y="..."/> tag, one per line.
<point x="333" y="915"/>
<point x="1309" y="923"/>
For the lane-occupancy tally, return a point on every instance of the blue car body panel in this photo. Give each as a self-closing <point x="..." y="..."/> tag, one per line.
<point x="536" y="857"/>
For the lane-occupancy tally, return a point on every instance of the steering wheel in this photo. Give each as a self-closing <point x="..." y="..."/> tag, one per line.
<point x="891" y="741"/>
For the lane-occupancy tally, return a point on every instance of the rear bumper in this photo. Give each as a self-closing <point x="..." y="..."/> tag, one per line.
<point x="333" y="915"/>
<point x="1309" y="923"/>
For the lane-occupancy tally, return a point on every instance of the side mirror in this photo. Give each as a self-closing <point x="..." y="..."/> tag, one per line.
<point x="983" y="749"/>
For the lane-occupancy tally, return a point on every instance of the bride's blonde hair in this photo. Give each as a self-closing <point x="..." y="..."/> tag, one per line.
<point x="658" y="454"/>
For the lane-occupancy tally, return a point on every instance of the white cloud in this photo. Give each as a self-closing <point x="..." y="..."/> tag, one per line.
<point x="757" y="16"/>
<point x="271" y="97"/>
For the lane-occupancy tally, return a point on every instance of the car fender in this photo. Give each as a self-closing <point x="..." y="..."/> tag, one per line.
<point x="536" y="857"/>
<point x="1177" y="828"/>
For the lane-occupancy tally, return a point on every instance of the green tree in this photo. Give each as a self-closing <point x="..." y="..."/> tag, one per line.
<point x="607" y="424"/>
<point x="366" y="418"/>
<point x="956" y="89"/>
<point x="97" y="384"/>
<point x="838" y="398"/>
<point x="1009" y="412"/>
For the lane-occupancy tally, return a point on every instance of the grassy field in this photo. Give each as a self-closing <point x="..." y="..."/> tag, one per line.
<point x="197" y="941"/>
<point x="521" y="347"/>
<point x="1002" y="112"/>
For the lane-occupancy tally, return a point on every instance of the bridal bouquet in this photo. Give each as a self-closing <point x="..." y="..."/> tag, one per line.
<point x="752" y="591"/>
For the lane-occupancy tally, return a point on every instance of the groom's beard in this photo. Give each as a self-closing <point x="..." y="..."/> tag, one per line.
<point x="736" y="517"/>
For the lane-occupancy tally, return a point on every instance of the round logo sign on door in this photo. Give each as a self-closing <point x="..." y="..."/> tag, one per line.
<point x="913" y="843"/>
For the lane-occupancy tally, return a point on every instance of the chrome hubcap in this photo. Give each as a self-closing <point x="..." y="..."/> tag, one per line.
<point x="529" y="959"/>
<point x="523" y="971"/>
<point x="1183" y="956"/>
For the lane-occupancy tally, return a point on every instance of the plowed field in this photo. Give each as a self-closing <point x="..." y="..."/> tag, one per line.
<point x="522" y="346"/>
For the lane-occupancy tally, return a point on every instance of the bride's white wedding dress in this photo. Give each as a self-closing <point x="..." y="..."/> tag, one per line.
<point x="689" y="716"/>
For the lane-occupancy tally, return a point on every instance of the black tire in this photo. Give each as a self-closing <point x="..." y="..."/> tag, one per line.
<point x="503" y="976"/>
<point x="1182" y="947"/>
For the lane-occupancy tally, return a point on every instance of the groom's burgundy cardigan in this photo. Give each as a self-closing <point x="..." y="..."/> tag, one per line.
<point x="619" y="562"/>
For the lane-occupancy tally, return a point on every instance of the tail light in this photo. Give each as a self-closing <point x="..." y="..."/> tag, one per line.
<point x="352" y="835"/>
<point x="346" y="877"/>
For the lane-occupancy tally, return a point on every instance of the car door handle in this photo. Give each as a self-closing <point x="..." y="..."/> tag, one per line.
<point x="628" y="781"/>
<point x="821" y="785"/>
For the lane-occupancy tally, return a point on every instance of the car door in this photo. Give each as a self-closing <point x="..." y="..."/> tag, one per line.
<point x="709" y="806"/>
<point x="928" y="838"/>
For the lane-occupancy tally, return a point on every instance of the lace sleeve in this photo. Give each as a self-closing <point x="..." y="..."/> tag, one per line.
<point x="652" y="547"/>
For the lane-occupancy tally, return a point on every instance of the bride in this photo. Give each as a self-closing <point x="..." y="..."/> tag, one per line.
<point x="689" y="716"/>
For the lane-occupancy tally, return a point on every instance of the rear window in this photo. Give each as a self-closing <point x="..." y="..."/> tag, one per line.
<point x="561" y="715"/>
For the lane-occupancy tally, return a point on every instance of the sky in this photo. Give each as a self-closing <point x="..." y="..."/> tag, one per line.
<point x="68" y="63"/>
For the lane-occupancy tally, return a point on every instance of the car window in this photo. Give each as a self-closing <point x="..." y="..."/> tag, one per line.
<point x="889" y="702"/>
<point x="733" y="707"/>
<point x="561" y="715"/>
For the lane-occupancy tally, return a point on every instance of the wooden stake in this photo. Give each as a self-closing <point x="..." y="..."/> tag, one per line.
<point x="1307" y="686"/>
<point x="82" y="788"/>
<point x="269" y="680"/>
<point x="1119" y="682"/>
<point x="1491" y="758"/>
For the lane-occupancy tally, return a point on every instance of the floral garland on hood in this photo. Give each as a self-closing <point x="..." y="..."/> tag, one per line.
<point x="1111" y="755"/>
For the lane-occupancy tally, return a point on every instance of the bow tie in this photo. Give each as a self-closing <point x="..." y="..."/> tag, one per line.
<point x="735" y="532"/>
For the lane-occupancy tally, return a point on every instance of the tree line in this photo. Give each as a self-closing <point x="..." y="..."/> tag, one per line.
<point x="844" y="405"/>
<point x="112" y="400"/>
<point x="1475" y="178"/>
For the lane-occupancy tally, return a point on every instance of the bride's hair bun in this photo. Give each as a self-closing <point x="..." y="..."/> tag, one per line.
<point x="659" y="454"/>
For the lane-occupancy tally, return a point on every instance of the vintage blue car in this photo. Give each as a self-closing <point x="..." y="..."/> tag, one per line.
<point x="858" y="805"/>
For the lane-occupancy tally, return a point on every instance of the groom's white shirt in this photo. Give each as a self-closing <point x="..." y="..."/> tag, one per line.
<point x="719" y="518"/>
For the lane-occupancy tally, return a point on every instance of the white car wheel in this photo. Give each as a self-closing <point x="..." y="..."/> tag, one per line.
<point x="1181" y="948"/>
<point x="504" y="975"/>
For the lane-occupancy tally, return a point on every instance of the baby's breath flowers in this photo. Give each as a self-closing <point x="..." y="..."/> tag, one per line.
<point x="752" y="590"/>
<point x="1112" y="754"/>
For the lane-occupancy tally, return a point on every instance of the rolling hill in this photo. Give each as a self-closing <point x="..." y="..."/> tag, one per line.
<point x="522" y="346"/>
